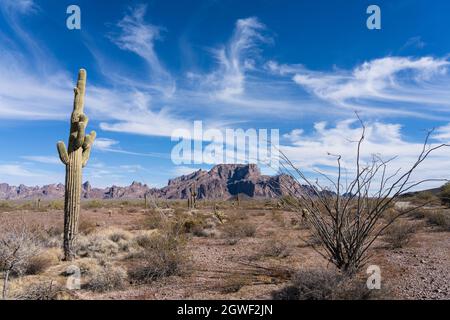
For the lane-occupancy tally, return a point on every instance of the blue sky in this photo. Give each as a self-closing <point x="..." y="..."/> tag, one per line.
<point x="303" y="67"/>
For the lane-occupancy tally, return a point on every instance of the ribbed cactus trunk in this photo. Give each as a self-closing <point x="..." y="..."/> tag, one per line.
<point x="75" y="158"/>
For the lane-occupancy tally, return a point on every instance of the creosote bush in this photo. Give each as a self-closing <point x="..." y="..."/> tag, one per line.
<point x="237" y="226"/>
<point x="418" y="213"/>
<point x="162" y="255"/>
<point x="323" y="284"/>
<point x="275" y="248"/>
<point x="44" y="290"/>
<point x="444" y="195"/>
<point x="399" y="234"/>
<point x="233" y="283"/>
<point x="153" y="220"/>
<point x="17" y="246"/>
<point x="86" y="226"/>
<point x="6" y="206"/>
<point x="107" y="278"/>
<point x="439" y="218"/>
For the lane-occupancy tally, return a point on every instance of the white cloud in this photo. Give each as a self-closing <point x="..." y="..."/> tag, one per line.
<point x="16" y="170"/>
<point x="375" y="85"/>
<point x="311" y="151"/>
<point x="105" y="143"/>
<point x="442" y="134"/>
<point x="131" y="168"/>
<point x="294" y="135"/>
<point x="43" y="159"/>
<point x="182" y="170"/>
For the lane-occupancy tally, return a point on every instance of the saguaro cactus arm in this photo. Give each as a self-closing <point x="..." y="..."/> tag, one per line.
<point x="62" y="151"/>
<point x="79" y="135"/>
<point x="87" y="145"/>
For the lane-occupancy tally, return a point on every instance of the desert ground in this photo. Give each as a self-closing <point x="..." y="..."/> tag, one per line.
<point x="253" y="249"/>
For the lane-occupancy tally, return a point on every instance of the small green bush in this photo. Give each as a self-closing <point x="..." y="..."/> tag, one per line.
<point x="444" y="195"/>
<point x="93" y="204"/>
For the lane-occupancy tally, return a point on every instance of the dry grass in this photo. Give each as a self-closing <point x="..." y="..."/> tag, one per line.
<point x="41" y="262"/>
<point x="104" y="243"/>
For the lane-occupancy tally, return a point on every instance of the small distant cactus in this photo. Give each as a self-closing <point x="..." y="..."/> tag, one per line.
<point x="145" y="201"/>
<point x="192" y="196"/>
<point x="75" y="157"/>
<point x="219" y="214"/>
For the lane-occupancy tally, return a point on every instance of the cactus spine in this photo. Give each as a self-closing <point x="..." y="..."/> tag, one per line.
<point x="75" y="157"/>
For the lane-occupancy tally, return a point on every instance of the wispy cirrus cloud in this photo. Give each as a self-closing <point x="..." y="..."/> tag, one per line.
<point x="139" y="37"/>
<point x="16" y="170"/>
<point x="234" y="59"/>
<point x="237" y="57"/>
<point x="35" y="94"/>
<point x="17" y="173"/>
<point x="239" y="84"/>
<point x="19" y="6"/>
<point x="376" y="85"/>
<point x="414" y="42"/>
<point x="111" y="145"/>
<point x="43" y="159"/>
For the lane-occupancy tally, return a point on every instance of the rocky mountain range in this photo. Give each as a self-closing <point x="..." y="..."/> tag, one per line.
<point x="223" y="181"/>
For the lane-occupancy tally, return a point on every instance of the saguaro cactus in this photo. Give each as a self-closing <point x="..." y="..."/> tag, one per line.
<point x="75" y="157"/>
<point x="192" y="196"/>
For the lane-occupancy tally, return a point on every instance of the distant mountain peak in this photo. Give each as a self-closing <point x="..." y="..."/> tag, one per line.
<point x="222" y="181"/>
